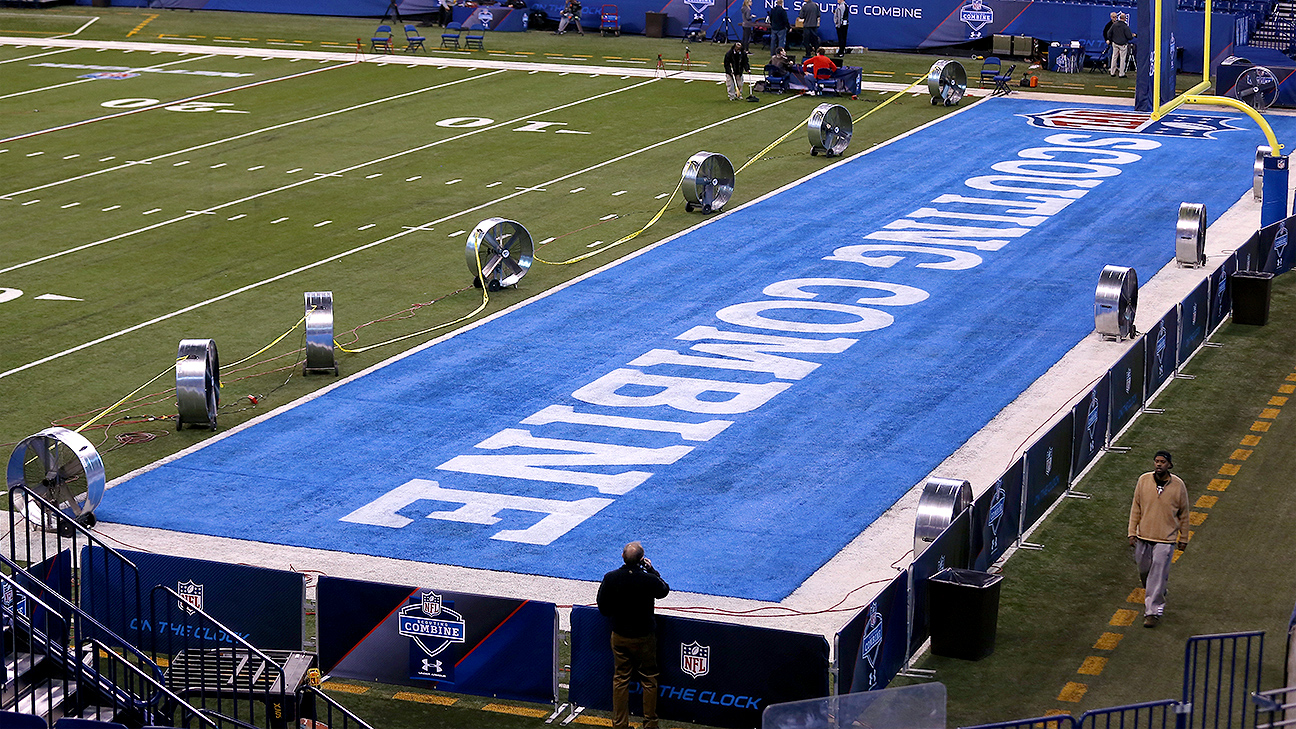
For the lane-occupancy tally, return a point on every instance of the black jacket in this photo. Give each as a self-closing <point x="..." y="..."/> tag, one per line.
<point x="626" y="599"/>
<point x="736" y="63"/>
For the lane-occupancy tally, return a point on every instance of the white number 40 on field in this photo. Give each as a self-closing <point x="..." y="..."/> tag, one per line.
<point x="182" y="106"/>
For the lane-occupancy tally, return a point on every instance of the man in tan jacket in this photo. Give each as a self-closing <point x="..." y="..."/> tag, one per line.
<point x="1158" y="524"/>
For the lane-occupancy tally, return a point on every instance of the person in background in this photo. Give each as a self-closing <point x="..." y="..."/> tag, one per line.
<point x="447" y="12"/>
<point x="570" y="14"/>
<point x="748" y="22"/>
<point x="735" y="65"/>
<point x="1120" y="37"/>
<point x="626" y="598"/>
<point x="809" y="18"/>
<point x="812" y="64"/>
<point x="778" y="20"/>
<point x="841" y="21"/>
<point x="1158" y="524"/>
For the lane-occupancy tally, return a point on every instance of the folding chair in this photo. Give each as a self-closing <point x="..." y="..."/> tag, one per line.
<point x="381" y="43"/>
<point x="450" y="38"/>
<point x="989" y="69"/>
<point x="824" y="82"/>
<point x="476" y="38"/>
<point x="1001" y="81"/>
<point x="413" y="41"/>
<point x="776" y="79"/>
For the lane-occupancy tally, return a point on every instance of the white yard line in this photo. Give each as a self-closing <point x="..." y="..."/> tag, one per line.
<point x="36" y="55"/>
<point x="380" y="241"/>
<point x="253" y="133"/>
<point x="46" y="88"/>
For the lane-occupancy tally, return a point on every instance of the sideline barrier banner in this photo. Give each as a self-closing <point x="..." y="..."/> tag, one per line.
<point x="1248" y="254"/>
<point x="1193" y="313"/>
<point x="495" y="18"/>
<point x="1280" y="257"/>
<point x="1221" y="301"/>
<point x="1090" y="416"/>
<point x="54" y="574"/>
<point x="1048" y="470"/>
<point x="710" y="673"/>
<point x="871" y="647"/>
<point x="1127" y="391"/>
<point x="996" y="517"/>
<point x="450" y="641"/>
<point x="950" y="549"/>
<point x="1162" y="346"/>
<point x="266" y="607"/>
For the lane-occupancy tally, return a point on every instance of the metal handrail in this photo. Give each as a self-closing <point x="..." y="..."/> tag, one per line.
<point x="318" y="694"/>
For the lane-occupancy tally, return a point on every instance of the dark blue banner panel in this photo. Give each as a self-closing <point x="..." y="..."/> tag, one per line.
<point x="265" y="607"/>
<point x="1221" y="301"/>
<point x="950" y="549"/>
<point x="710" y="673"/>
<point x="871" y="647"/>
<point x="51" y="575"/>
<point x="996" y="517"/>
<point x="1194" y="320"/>
<point x="1048" y="470"/>
<point x="440" y="640"/>
<point x="1162" y="348"/>
<point x="1127" y="391"/>
<point x="1279" y="259"/>
<point x="1248" y="254"/>
<point x="1090" y="418"/>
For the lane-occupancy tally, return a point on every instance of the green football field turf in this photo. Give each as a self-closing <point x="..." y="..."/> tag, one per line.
<point x="211" y="221"/>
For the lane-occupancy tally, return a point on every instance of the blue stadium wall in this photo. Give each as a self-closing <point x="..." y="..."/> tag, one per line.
<point x="875" y="24"/>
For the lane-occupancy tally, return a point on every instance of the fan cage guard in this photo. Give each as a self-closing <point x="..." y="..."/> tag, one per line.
<point x="708" y="182"/>
<point x="1256" y="87"/>
<point x="44" y="446"/>
<point x="197" y="383"/>
<point x="1190" y="235"/>
<point x="320" y="356"/>
<point x="829" y="129"/>
<point x="942" y="500"/>
<point x="1257" y="172"/>
<point x="1115" y="302"/>
<point x="947" y="82"/>
<point x="500" y="251"/>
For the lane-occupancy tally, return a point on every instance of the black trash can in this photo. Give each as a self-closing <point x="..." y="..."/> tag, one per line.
<point x="654" y="24"/>
<point x="963" y="611"/>
<point x="1251" y="297"/>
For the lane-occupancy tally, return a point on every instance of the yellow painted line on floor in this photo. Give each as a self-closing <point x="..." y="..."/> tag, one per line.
<point x="1092" y="666"/>
<point x="1241" y="454"/>
<point x="1219" y="484"/>
<point x="1136" y="596"/>
<point x="1123" y="617"/>
<point x="1206" y="501"/>
<point x="1072" y="692"/>
<point x="1196" y="517"/>
<point x="518" y="711"/>
<point x="1230" y="469"/>
<point x="1270" y="413"/>
<point x="596" y="721"/>
<point x="1287" y="389"/>
<point x="145" y="22"/>
<point x="1108" y="641"/>
<point x="345" y="688"/>
<point x="1260" y="426"/>
<point x="1250" y="440"/>
<point x="1278" y="400"/>
<point x="1291" y="377"/>
<point x="426" y="698"/>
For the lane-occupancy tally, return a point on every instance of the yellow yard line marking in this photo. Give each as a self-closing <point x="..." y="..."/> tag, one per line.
<point x="427" y="698"/>
<point x="1206" y="501"/>
<point x="1072" y="692"/>
<point x="517" y="711"/>
<point x="1092" y="666"/>
<point x="1108" y="641"/>
<point x="1123" y="618"/>
<point x="345" y="688"/>
<point x="146" y="21"/>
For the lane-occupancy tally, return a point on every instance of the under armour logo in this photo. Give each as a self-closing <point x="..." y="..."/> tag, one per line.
<point x="431" y="666"/>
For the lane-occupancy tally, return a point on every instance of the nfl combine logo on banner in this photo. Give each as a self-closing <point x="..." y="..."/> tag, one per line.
<point x="431" y="625"/>
<point x="695" y="659"/>
<point x="977" y="15"/>
<point x="871" y="646"/>
<point x="996" y="513"/>
<point x="191" y="596"/>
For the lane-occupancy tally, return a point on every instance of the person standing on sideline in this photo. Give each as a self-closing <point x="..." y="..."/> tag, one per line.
<point x="748" y="22"/>
<point x="1158" y="524"/>
<point x="571" y="13"/>
<point x="1120" y="37"/>
<point x="841" y="20"/>
<point x="446" y="8"/>
<point x="810" y="25"/>
<point x="778" y="20"/>
<point x="626" y="599"/>
<point x="735" y="65"/>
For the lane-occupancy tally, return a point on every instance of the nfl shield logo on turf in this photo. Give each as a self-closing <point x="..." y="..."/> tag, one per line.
<point x="191" y="596"/>
<point x="695" y="659"/>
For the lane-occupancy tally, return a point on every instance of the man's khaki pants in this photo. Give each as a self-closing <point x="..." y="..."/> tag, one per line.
<point x="634" y="655"/>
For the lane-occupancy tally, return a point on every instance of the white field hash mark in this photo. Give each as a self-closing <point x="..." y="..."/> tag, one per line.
<point x="358" y="249"/>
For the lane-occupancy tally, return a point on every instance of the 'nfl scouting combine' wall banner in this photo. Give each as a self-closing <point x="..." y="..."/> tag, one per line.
<point x="434" y="639"/>
<point x="871" y="648"/>
<point x="711" y="673"/>
<point x="265" y="607"/>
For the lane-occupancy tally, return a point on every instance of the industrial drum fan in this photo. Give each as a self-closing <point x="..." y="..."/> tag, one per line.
<point x="499" y="253"/>
<point x="319" y="333"/>
<point x="946" y="82"/>
<point x="197" y="383"/>
<point x="1115" y="303"/>
<point x="1257" y="87"/>
<point x="62" y="467"/>
<point x="708" y="182"/>
<point x="829" y="128"/>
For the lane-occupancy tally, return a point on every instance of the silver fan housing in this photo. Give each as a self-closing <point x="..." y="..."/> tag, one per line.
<point x="49" y="447"/>
<point x="947" y="82"/>
<point x="197" y="383"/>
<point x="829" y="129"/>
<point x="708" y="182"/>
<point x="319" y="333"/>
<point x="499" y="253"/>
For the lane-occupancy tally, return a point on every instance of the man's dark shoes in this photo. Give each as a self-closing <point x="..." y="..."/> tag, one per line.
<point x="1151" y="621"/>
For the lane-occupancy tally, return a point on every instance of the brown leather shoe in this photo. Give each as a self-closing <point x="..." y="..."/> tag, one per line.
<point x="1151" y="621"/>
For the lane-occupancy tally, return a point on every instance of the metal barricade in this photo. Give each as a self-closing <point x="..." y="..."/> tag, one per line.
<point x="1163" y="714"/>
<point x="1220" y="673"/>
<point x="1056" y="721"/>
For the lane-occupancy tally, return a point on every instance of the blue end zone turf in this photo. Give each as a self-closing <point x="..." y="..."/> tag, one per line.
<point x="704" y="397"/>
